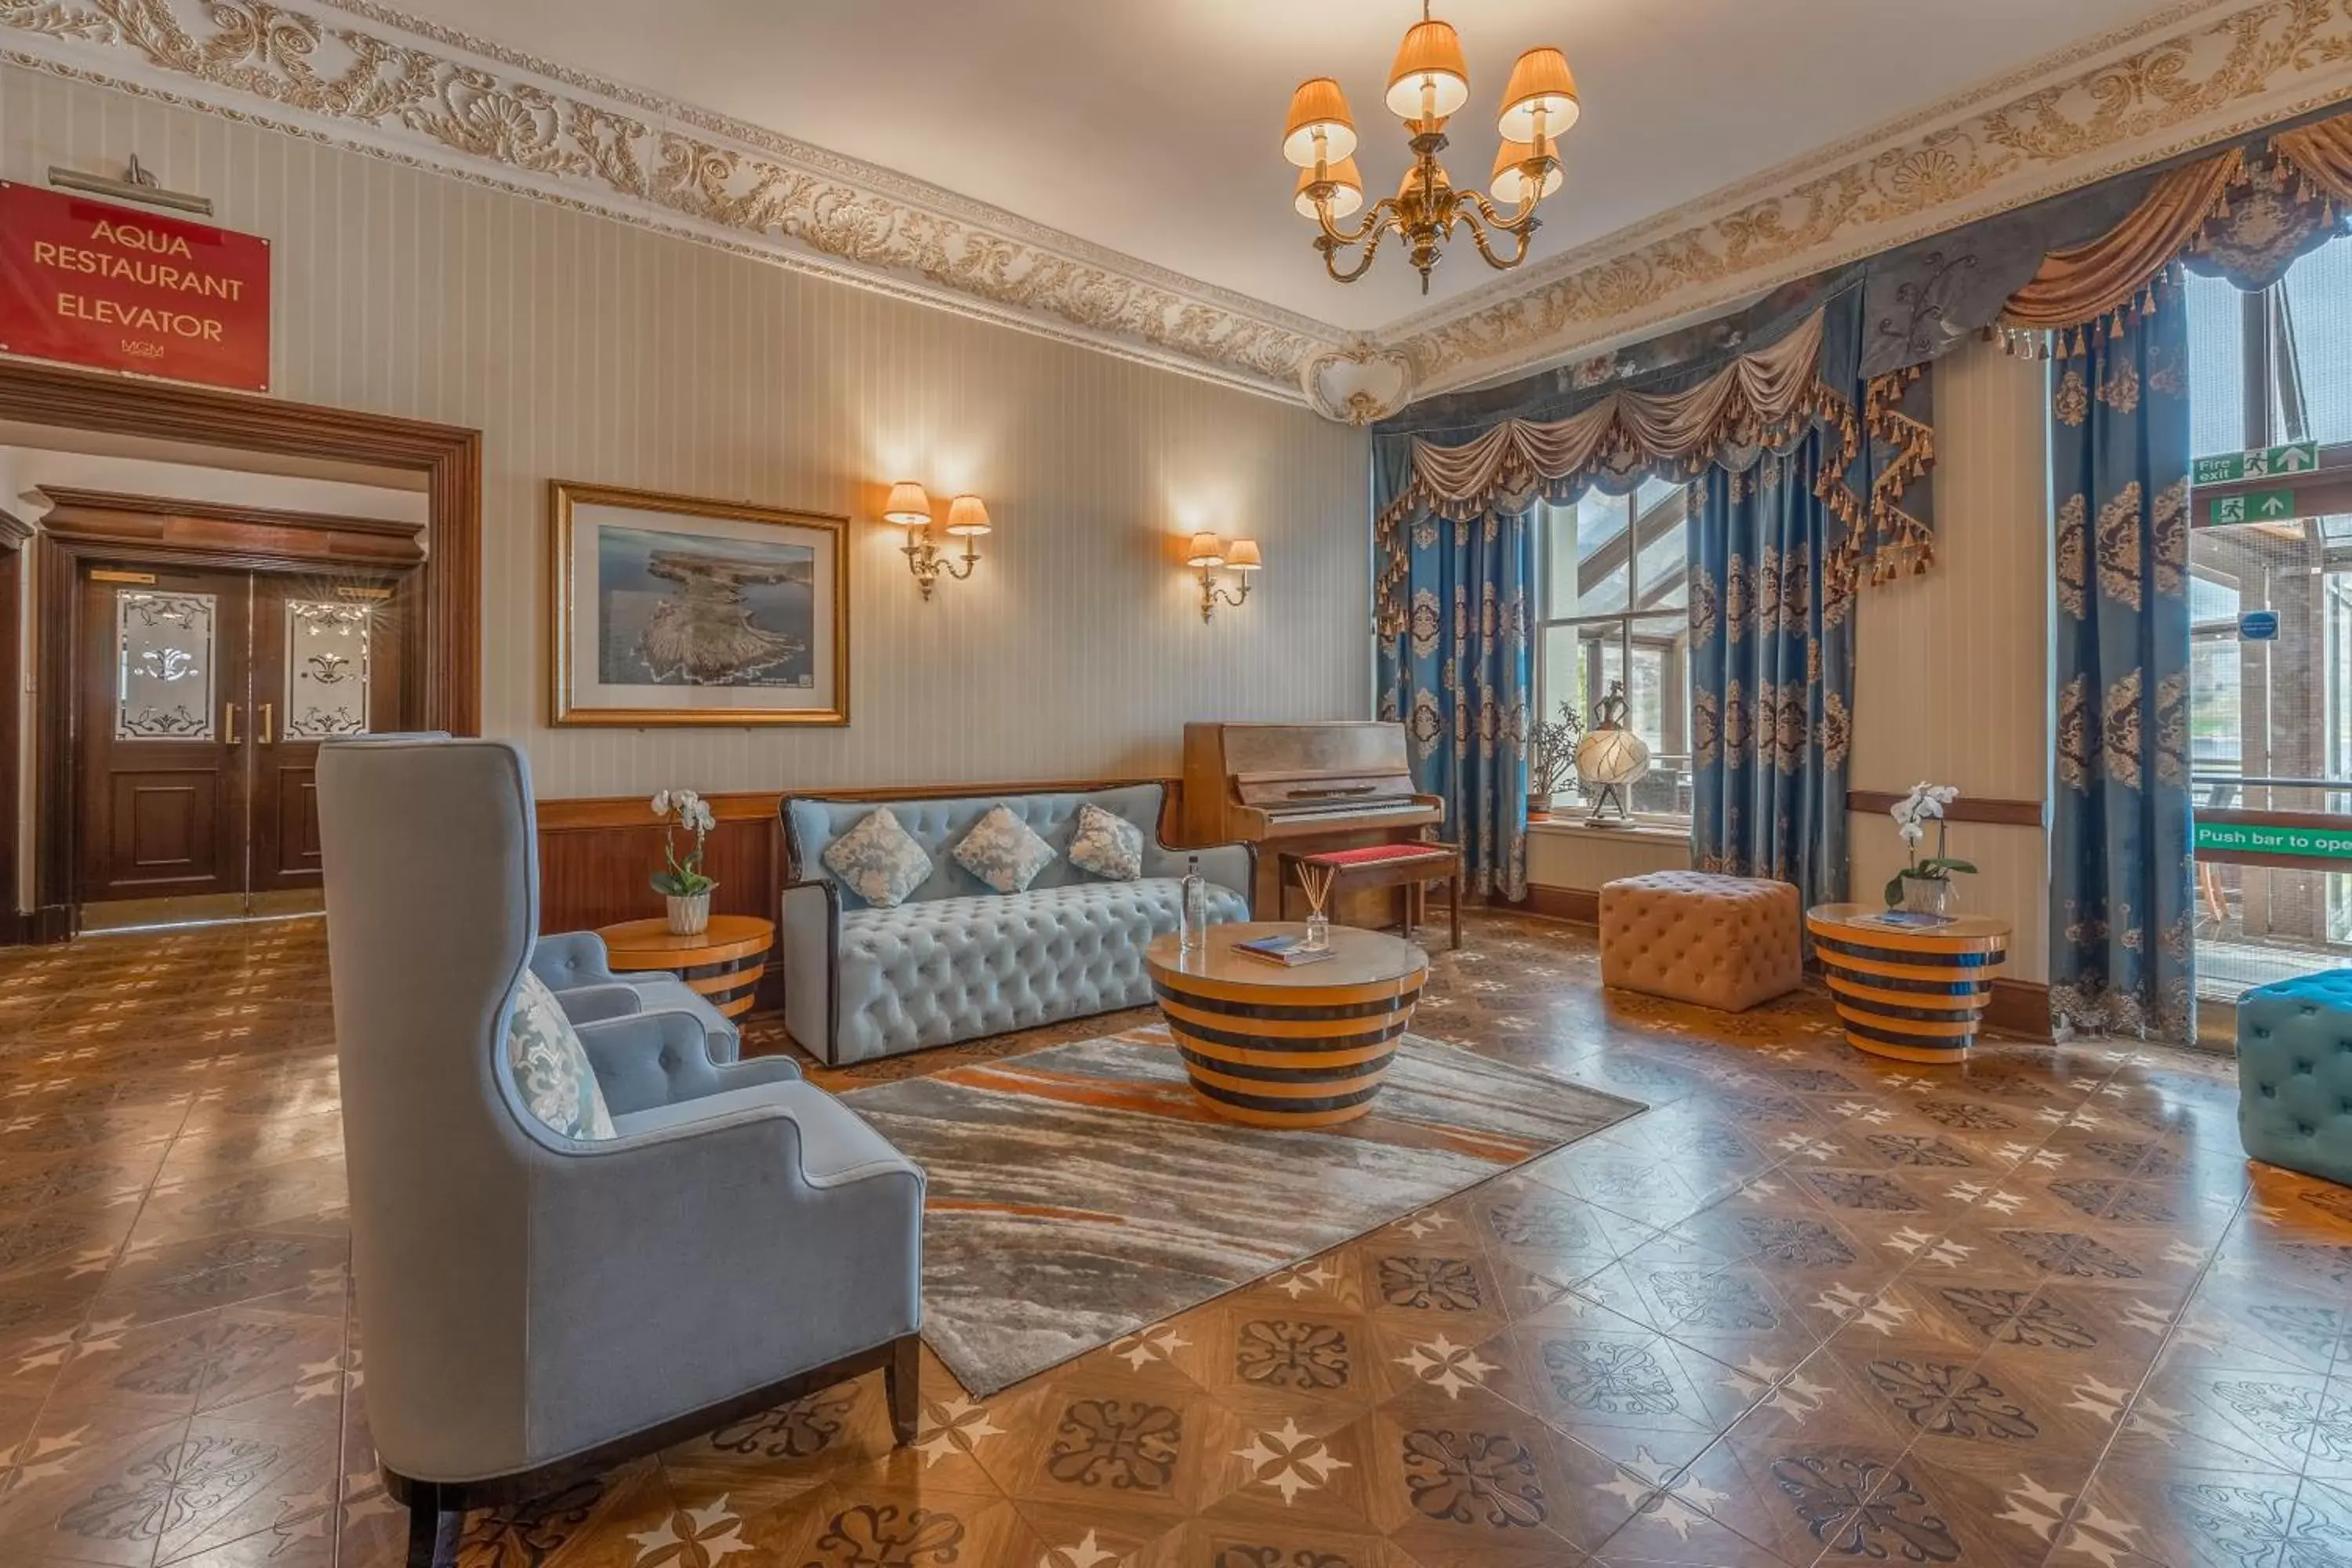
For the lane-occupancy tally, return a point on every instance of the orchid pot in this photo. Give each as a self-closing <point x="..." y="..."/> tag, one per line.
<point x="681" y="881"/>
<point x="1924" y="886"/>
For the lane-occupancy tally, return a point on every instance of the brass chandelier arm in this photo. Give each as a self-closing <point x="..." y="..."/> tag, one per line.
<point x="1479" y="215"/>
<point x="1377" y="226"/>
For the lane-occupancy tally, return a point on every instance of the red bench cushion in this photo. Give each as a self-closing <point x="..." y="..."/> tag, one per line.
<point x="1379" y="854"/>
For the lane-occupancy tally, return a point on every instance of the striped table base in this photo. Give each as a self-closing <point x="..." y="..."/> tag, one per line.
<point x="1280" y="1053"/>
<point x="1914" y="995"/>
<point x="724" y="963"/>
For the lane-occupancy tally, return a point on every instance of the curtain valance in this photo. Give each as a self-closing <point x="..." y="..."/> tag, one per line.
<point x="1760" y="399"/>
<point x="2245" y="213"/>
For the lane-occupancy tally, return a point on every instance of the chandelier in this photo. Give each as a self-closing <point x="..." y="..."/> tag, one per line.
<point x="1428" y="84"/>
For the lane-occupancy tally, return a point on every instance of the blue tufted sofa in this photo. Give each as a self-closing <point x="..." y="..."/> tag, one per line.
<point x="959" y="960"/>
<point x="2294" y="1074"/>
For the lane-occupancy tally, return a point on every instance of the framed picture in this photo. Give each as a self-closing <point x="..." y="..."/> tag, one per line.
<point x="669" y="610"/>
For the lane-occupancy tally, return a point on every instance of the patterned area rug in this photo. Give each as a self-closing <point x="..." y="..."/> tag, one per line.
<point x="1080" y="1192"/>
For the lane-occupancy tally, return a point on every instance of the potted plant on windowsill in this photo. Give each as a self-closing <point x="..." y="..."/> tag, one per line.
<point x="682" y="881"/>
<point x="1924" y="886"/>
<point x="1551" y="759"/>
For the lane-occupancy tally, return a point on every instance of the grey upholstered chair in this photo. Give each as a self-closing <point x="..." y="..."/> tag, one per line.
<point x="535" y="1306"/>
<point x="574" y="965"/>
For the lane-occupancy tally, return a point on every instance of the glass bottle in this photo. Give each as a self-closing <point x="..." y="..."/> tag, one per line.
<point x="1193" y="916"/>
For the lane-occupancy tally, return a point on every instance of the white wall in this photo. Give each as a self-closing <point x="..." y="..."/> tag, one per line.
<point x="586" y="350"/>
<point x="1952" y="672"/>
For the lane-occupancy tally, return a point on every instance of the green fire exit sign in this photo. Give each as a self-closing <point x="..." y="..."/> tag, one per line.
<point x="2299" y="843"/>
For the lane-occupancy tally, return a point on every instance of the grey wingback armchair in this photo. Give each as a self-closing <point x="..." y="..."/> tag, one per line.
<point x="536" y="1306"/>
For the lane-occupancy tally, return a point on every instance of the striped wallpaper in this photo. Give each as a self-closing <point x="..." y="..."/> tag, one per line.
<point x="1951" y="677"/>
<point x="587" y="350"/>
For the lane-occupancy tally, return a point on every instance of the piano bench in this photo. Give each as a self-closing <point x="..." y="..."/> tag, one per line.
<point x="1407" y="867"/>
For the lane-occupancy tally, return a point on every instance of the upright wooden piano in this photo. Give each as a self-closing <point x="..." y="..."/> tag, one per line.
<point x="1301" y="788"/>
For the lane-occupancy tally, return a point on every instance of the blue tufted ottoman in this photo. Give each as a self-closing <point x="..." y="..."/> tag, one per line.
<point x="2294" y="1074"/>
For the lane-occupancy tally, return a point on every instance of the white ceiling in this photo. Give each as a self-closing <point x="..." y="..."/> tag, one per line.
<point x="1153" y="129"/>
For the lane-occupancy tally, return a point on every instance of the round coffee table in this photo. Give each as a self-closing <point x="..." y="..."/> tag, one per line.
<point x="1913" y="994"/>
<point x="1277" y="1046"/>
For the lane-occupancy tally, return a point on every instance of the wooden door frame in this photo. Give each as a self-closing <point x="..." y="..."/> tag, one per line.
<point x="84" y="525"/>
<point x="449" y="455"/>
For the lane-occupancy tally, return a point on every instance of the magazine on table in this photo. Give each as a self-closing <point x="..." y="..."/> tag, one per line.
<point x="1290" y="952"/>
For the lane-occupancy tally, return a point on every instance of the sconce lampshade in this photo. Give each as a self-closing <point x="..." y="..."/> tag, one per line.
<point x="1542" y="97"/>
<point x="1319" y="106"/>
<point x="1429" y="58"/>
<point x="967" y="517"/>
<point x="1206" y="549"/>
<point x="908" y="506"/>
<point x="1510" y="174"/>
<point x="1347" y="198"/>
<point x="1242" y="555"/>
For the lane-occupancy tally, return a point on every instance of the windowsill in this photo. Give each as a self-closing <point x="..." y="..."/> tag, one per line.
<point x="1577" y="828"/>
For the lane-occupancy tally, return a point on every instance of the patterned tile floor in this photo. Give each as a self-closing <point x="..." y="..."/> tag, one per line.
<point x="1813" y="1307"/>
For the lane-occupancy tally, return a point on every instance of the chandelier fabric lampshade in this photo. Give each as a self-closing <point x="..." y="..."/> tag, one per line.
<point x="909" y="505"/>
<point x="1206" y="549"/>
<point x="1242" y="556"/>
<point x="1318" y="106"/>
<point x="1510" y="179"/>
<point x="967" y="517"/>
<point x="1541" y="98"/>
<point x="1346" y="198"/>
<point x="1431" y="77"/>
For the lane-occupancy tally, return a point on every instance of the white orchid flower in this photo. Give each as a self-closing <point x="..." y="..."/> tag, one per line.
<point x="661" y="803"/>
<point x="687" y="797"/>
<point x="1911" y="832"/>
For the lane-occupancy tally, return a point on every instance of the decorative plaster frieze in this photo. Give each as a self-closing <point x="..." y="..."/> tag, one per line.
<point x="399" y="88"/>
<point x="2102" y="108"/>
<point x="355" y="73"/>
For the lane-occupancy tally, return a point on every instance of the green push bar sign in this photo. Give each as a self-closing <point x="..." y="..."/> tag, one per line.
<point x="2298" y="843"/>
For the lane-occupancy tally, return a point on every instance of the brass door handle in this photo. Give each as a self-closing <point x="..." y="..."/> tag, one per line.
<point x="264" y="723"/>
<point x="228" y="723"/>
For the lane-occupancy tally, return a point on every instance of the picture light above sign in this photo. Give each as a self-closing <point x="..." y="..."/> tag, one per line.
<point x="90" y="283"/>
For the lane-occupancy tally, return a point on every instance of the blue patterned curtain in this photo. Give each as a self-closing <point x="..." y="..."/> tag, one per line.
<point x="1772" y="671"/>
<point x="1457" y="672"/>
<point x="2122" y="885"/>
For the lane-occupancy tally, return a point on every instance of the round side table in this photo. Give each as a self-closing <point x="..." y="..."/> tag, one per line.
<point x="1277" y="1046"/>
<point x="1915" y="994"/>
<point x="723" y="963"/>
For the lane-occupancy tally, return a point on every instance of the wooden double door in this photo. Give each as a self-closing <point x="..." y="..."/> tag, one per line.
<point x="203" y="698"/>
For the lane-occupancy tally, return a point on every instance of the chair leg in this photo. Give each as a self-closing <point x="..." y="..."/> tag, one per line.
<point x="433" y="1531"/>
<point x="901" y="1379"/>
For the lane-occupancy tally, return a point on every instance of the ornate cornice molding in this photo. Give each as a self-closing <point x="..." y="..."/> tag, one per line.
<point x="2102" y="108"/>
<point x="358" y="76"/>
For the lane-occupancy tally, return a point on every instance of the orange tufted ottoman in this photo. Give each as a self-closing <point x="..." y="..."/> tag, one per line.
<point x="1720" y="941"/>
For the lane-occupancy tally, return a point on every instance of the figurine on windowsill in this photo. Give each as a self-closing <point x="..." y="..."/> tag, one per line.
<point x="1612" y="759"/>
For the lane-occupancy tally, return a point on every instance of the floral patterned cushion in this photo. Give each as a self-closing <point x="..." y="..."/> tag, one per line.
<point x="1108" y="845"/>
<point x="878" y="861"/>
<point x="1004" y="852"/>
<point x="549" y="1068"/>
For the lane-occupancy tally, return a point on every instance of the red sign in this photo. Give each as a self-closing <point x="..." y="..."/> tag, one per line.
<point x="90" y="283"/>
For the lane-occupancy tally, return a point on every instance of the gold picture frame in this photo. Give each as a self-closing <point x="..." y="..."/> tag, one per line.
<point x="755" y="631"/>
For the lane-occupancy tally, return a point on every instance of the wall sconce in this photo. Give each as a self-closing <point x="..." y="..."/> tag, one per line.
<point x="1207" y="552"/>
<point x="910" y="507"/>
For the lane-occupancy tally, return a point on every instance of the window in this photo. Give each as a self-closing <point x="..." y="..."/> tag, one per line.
<point x="1616" y="598"/>
<point x="2271" y="717"/>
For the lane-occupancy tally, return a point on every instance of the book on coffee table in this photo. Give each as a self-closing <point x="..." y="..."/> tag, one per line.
<point x="1290" y="952"/>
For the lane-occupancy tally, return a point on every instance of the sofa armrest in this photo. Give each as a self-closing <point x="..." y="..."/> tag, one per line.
<point x="808" y="935"/>
<point x="663" y="1057"/>
<point x="595" y="1003"/>
<point x="568" y="960"/>
<point x="1231" y="865"/>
